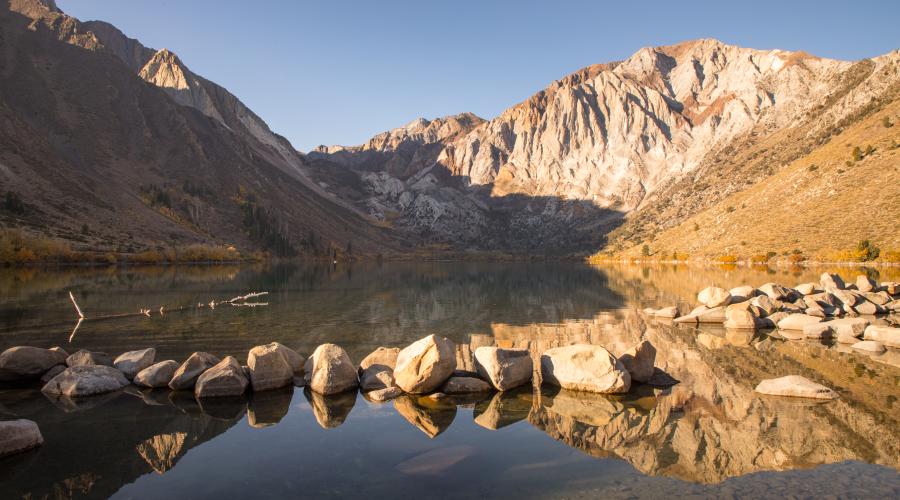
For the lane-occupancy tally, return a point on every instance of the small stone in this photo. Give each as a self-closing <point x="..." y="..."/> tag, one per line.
<point x="131" y="362"/>
<point x="157" y="375"/>
<point x="17" y="436"/>
<point x="795" y="386"/>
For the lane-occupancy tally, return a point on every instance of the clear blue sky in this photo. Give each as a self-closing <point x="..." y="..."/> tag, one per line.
<point x="332" y="72"/>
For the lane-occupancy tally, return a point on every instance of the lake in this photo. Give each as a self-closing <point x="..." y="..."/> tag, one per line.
<point x="707" y="435"/>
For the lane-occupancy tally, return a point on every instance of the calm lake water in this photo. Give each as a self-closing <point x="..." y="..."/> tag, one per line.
<point x="708" y="435"/>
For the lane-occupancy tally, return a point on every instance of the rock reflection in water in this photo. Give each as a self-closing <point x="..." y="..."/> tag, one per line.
<point x="504" y="408"/>
<point x="267" y="408"/>
<point x="429" y="415"/>
<point x="331" y="411"/>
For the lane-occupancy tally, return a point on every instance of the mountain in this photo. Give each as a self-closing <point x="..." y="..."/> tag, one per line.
<point x="642" y="144"/>
<point x="120" y="148"/>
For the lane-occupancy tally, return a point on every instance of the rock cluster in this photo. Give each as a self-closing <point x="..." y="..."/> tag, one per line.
<point x="829" y="308"/>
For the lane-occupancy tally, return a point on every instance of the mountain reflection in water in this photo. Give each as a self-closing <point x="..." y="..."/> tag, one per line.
<point x="708" y="434"/>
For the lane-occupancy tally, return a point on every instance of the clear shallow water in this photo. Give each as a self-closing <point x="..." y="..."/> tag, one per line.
<point x="707" y="436"/>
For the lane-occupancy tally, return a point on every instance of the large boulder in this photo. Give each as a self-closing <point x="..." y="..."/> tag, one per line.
<point x="584" y="367"/>
<point x="853" y="327"/>
<point x="465" y="385"/>
<point x="879" y="298"/>
<point x="17" y="436"/>
<point x="330" y="371"/>
<point x="887" y="335"/>
<point x="831" y="282"/>
<point x="817" y="331"/>
<point x="806" y="288"/>
<point x="131" y="362"/>
<point x="156" y="375"/>
<point x="425" y="365"/>
<point x="742" y="292"/>
<point x="26" y="362"/>
<point x="85" y="357"/>
<point x="797" y="321"/>
<point x="866" y="307"/>
<point x="765" y="304"/>
<point x="713" y="296"/>
<point x="666" y="312"/>
<point x="85" y="380"/>
<point x="52" y="372"/>
<point x="864" y="283"/>
<point x="186" y="375"/>
<point x="795" y="386"/>
<point x="224" y="379"/>
<point x="272" y="366"/>
<point x="504" y="368"/>
<point x="383" y="356"/>
<point x="639" y="361"/>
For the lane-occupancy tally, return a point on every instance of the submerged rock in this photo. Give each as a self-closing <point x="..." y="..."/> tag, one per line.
<point x="425" y="365"/>
<point x="585" y="367"/>
<point x="224" y="379"/>
<point x="85" y="380"/>
<point x="131" y="362"/>
<point x="186" y="375"/>
<point x="795" y="386"/>
<point x="26" y="362"/>
<point x="465" y="385"/>
<point x="504" y="368"/>
<point x="156" y="375"/>
<point x="17" y="436"/>
<point x="330" y="371"/>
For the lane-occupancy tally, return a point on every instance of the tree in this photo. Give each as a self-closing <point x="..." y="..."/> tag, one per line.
<point x="887" y="122"/>
<point x="645" y="251"/>
<point x="857" y="154"/>
<point x="867" y="251"/>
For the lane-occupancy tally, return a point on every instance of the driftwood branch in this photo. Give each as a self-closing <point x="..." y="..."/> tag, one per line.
<point x="239" y="301"/>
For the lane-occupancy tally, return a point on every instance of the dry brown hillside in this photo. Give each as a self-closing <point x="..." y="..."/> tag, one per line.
<point x="822" y="203"/>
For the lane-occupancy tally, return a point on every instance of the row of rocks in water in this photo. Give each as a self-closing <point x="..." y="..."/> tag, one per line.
<point x="427" y="366"/>
<point x="830" y="308"/>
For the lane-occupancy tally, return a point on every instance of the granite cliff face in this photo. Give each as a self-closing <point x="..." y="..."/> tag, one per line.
<point x="596" y="145"/>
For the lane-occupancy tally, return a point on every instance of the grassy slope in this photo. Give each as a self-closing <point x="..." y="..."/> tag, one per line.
<point x="818" y="211"/>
